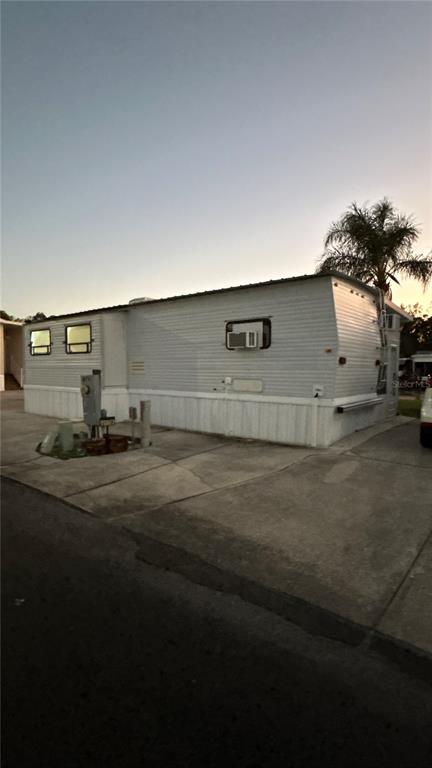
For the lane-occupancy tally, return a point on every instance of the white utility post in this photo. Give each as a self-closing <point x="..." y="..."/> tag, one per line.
<point x="145" y="412"/>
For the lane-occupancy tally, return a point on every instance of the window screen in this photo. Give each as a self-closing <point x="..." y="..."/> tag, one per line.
<point x="40" y="342"/>
<point x="78" y="338"/>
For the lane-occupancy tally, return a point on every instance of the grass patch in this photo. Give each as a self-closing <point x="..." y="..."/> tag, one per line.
<point x="410" y="406"/>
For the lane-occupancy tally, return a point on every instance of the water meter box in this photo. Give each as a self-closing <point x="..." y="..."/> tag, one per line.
<point x="91" y="398"/>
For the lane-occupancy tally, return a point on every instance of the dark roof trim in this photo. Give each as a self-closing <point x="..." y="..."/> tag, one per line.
<point x="280" y="281"/>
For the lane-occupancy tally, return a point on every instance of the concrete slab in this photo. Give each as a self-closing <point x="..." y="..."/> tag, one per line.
<point x="12" y="400"/>
<point x="409" y="617"/>
<point x="403" y="447"/>
<point x="21" y="432"/>
<point x="363" y="435"/>
<point x="19" y="449"/>
<point x="238" y="462"/>
<point x="337" y="531"/>
<point x="20" y="424"/>
<point x="64" y="478"/>
<point x="45" y="461"/>
<point x="175" y="444"/>
<point x="142" y="492"/>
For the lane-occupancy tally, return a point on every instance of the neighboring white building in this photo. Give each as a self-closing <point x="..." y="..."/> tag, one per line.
<point x="421" y="362"/>
<point x="11" y="353"/>
<point x="321" y="369"/>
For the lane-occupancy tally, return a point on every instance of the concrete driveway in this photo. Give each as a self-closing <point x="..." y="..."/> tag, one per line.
<point x="346" y="530"/>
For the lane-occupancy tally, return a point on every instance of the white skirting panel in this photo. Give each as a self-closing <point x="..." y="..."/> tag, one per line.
<point x="296" y="421"/>
<point x="340" y="425"/>
<point x="115" y="400"/>
<point x="62" y="402"/>
<point x="66" y="402"/>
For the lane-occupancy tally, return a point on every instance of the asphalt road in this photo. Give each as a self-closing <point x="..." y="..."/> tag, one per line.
<point x="110" y="662"/>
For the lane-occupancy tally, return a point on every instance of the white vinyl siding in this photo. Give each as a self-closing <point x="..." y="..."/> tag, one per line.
<point x="59" y="369"/>
<point x="180" y="345"/>
<point x="114" y="338"/>
<point x="358" y="339"/>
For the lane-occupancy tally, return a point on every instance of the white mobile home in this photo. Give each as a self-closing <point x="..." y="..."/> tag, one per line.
<point x="302" y="360"/>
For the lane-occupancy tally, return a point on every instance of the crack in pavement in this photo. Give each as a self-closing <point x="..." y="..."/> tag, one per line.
<point x="403" y="579"/>
<point x="303" y="613"/>
<point x="235" y="484"/>
<point x="387" y="461"/>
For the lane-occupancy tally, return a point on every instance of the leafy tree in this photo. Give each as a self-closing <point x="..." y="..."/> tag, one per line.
<point x="417" y="309"/>
<point x="374" y="244"/>
<point x="6" y="316"/>
<point x="416" y="335"/>
<point x="35" y="318"/>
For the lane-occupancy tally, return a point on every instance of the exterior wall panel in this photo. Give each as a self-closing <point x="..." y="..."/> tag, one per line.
<point x="60" y="369"/>
<point x="114" y="349"/>
<point x="181" y="344"/>
<point x="358" y="340"/>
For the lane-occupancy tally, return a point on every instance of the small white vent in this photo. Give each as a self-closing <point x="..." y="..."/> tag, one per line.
<point x="243" y="340"/>
<point x="136" y="366"/>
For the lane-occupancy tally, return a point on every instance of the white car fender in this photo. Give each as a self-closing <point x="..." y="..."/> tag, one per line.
<point x="426" y="409"/>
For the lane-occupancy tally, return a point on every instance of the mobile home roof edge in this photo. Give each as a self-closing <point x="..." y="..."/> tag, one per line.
<point x="277" y="281"/>
<point x="11" y="322"/>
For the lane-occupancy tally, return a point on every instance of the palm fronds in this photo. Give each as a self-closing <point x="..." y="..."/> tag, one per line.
<point x="374" y="244"/>
<point x="417" y="267"/>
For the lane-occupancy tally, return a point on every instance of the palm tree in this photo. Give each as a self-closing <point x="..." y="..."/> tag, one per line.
<point x="375" y="244"/>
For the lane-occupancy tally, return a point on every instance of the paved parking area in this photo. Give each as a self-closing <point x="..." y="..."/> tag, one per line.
<point x="347" y="529"/>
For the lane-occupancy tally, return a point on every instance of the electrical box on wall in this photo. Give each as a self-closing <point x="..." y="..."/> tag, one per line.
<point x="91" y="398"/>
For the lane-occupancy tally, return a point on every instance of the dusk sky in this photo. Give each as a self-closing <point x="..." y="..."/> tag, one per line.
<point x="152" y="149"/>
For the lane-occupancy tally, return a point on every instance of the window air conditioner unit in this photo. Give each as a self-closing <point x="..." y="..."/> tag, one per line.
<point x="243" y="340"/>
